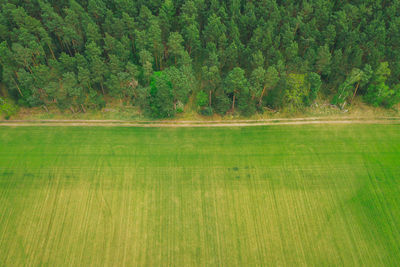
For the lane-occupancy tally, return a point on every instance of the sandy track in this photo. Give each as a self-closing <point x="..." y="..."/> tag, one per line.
<point x="237" y="123"/>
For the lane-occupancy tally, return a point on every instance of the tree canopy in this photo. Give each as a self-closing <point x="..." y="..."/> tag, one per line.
<point x="78" y="55"/>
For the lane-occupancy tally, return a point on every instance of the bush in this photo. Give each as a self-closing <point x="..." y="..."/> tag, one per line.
<point x="246" y="105"/>
<point x="314" y="83"/>
<point x="222" y="104"/>
<point x="382" y="95"/>
<point x="179" y="107"/>
<point x="207" y="111"/>
<point x="378" y="92"/>
<point x="7" y="108"/>
<point x="201" y="99"/>
<point x="295" y="91"/>
<point x="161" y="100"/>
<point x="275" y="97"/>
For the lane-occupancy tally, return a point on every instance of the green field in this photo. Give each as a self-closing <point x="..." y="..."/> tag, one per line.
<point x="280" y="195"/>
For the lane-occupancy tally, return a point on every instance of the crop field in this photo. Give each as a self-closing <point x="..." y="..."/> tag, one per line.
<point x="320" y="195"/>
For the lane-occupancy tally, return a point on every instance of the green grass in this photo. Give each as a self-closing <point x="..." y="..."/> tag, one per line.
<point x="281" y="195"/>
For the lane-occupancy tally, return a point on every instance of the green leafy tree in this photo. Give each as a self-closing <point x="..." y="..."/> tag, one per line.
<point x="154" y="39"/>
<point x="314" y="83"/>
<point x="215" y="31"/>
<point x="97" y="8"/>
<point x="181" y="84"/>
<point x="235" y="83"/>
<point x="340" y="50"/>
<point x="7" y="108"/>
<point x="378" y="92"/>
<point x="296" y="91"/>
<point x="257" y="80"/>
<point x="175" y="45"/>
<point x="74" y="93"/>
<point x="190" y="26"/>
<point x="212" y="80"/>
<point x="323" y="61"/>
<point x="222" y="104"/>
<point x="93" y="33"/>
<point x="161" y="99"/>
<point x="98" y="68"/>
<point x="166" y="15"/>
<point x="262" y="81"/>
<point x="345" y="89"/>
<point x="201" y="99"/>
<point x="258" y="59"/>
<point x="271" y="79"/>
<point x="146" y="60"/>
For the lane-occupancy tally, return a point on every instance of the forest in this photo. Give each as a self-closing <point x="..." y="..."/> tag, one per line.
<point x="231" y="56"/>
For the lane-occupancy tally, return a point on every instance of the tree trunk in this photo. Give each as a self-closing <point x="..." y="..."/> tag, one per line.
<point x="160" y="62"/>
<point x="355" y="91"/>
<point x="209" y="99"/>
<point x="51" y="51"/>
<point x="69" y="50"/>
<point x="262" y="95"/>
<point x="34" y="59"/>
<point x="102" y="88"/>
<point x="59" y="40"/>
<point x="19" y="90"/>
<point x="27" y="66"/>
<point x="233" y="103"/>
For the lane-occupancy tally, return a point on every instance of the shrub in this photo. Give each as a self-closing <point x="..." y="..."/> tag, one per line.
<point x="222" y="104"/>
<point x="382" y="95"/>
<point x="201" y="99"/>
<point x="179" y="107"/>
<point x="7" y="108"/>
<point x="161" y="100"/>
<point x="207" y="111"/>
<point x="246" y="105"/>
<point x="378" y="92"/>
<point x="296" y="91"/>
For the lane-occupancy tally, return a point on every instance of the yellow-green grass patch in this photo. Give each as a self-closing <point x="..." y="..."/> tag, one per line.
<point x="275" y="195"/>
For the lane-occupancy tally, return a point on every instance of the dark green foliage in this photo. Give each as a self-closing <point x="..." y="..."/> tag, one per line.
<point x="275" y="99"/>
<point x="313" y="81"/>
<point x="381" y="95"/>
<point x="201" y="99"/>
<point x="246" y="104"/>
<point x="206" y="111"/>
<point x="378" y="92"/>
<point x="236" y="83"/>
<point x="182" y="83"/>
<point x="161" y="99"/>
<point x="65" y="53"/>
<point x="222" y="104"/>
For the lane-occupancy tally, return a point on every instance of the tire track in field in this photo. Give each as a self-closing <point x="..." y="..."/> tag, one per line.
<point x="175" y="124"/>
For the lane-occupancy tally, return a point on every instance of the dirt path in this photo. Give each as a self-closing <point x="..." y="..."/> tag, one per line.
<point x="237" y="123"/>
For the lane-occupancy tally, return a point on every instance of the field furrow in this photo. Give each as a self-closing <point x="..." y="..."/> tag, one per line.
<point x="319" y="195"/>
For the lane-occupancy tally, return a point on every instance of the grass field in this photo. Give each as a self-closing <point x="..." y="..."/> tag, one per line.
<point x="320" y="195"/>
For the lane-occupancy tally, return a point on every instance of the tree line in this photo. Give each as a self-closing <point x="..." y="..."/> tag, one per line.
<point x="224" y="56"/>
